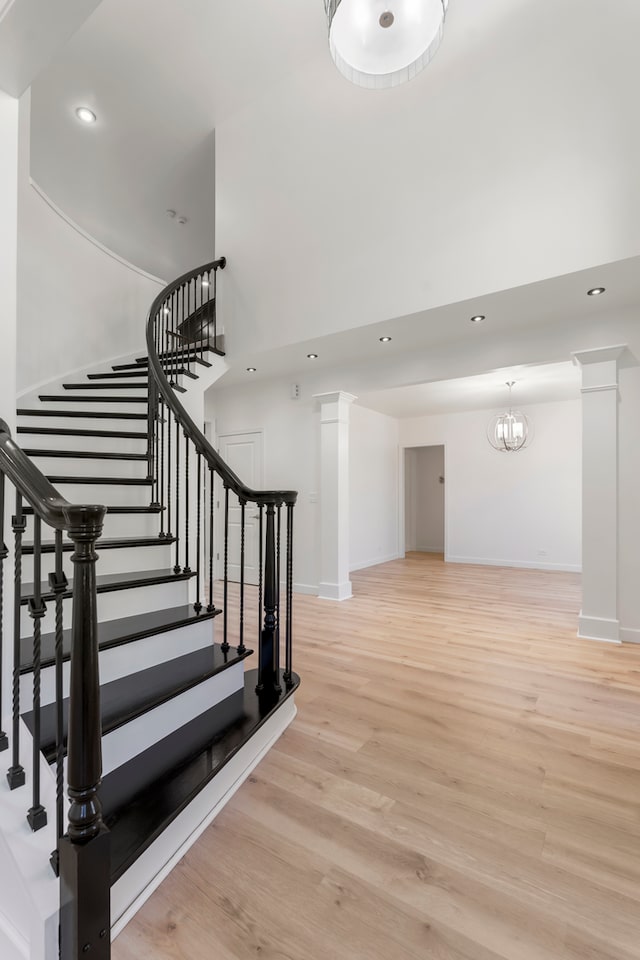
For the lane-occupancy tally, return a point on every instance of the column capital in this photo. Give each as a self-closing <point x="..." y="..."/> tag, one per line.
<point x="334" y="406"/>
<point x="598" y="355"/>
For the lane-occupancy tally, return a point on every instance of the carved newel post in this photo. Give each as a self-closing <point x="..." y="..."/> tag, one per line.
<point x="84" y="850"/>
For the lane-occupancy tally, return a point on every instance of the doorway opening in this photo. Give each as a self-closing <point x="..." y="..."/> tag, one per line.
<point x="424" y="499"/>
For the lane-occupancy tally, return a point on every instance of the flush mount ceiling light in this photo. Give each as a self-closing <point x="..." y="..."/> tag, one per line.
<point x="478" y="318"/>
<point x="86" y="115"/>
<point x="385" y="339"/>
<point x="595" y="291"/>
<point x="382" y="43"/>
<point x="508" y="432"/>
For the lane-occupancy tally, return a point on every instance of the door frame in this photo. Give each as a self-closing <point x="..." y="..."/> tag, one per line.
<point x="402" y="494"/>
<point x="219" y="513"/>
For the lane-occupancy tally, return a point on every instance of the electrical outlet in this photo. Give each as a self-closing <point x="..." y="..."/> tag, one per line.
<point x="542" y="553"/>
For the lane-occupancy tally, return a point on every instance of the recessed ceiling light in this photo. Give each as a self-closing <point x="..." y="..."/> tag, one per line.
<point x="595" y="291"/>
<point x="385" y="339"/>
<point x="86" y="115"/>
<point x="312" y="356"/>
<point x="251" y="369"/>
<point x="479" y="317"/>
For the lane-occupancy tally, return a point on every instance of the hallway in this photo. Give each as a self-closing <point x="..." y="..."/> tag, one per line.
<point x="461" y="783"/>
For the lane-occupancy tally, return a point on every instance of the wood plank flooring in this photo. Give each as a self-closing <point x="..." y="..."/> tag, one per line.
<point x="462" y="782"/>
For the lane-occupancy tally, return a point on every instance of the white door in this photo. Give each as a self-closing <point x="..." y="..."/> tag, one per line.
<point x="243" y="453"/>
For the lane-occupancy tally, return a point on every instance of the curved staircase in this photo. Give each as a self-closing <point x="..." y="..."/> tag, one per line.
<point x="136" y="669"/>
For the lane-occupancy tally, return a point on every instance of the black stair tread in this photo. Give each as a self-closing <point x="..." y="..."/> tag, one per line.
<point x="109" y="582"/>
<point x="115" y="633"/>
<point x="85" y="414"/>
<point x="79" y="432"/>
<point x="86" y="454"/>
<point x="129" y="697"/>
<point x="69" y="398"/>
<point x="143" y="362"/>
<point x="92" y="385"/>
<point x="180" y="371"/>
<point x="113" y="481"/>
<point x="119" y="543"/>
<point x="118" y="508"/>
<point x="118" y="375"/>
<point x="142" y="797"/>
<point x="169" y="355"/>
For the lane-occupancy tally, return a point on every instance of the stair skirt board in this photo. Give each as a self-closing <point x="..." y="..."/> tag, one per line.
<point x="135" y="887"/>
<point x="119" y="661"/>
<point x="118" y="603"/>
<point x="13" y="946"/>
<point x="126" y="742"/>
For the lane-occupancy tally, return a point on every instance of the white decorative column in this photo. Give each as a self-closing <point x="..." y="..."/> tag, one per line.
<point x="599" y="614"/>
<point x="334" y="495"/>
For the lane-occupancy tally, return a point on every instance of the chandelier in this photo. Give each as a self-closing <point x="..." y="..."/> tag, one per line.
<point x="509" y="432"/>
<point x="382" y="43"/>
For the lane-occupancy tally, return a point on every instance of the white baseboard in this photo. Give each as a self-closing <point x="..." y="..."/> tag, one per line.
<point x="132" y="891"/>
<point x="311" y="589"/>
<point x="428" y="549"/>
<point x="599" y="628"/>
<point x="630" y="634"/>
<point x="518" y="564"/>
<point x="374" y="563"/>
<point x="335" y="591"/>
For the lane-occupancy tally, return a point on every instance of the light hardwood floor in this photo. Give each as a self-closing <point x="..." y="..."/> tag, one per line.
<point x="462" y="782"/>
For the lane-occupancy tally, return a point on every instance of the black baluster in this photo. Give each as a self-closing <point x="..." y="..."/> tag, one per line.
<point x="161" y="426"/>
<point x="58" y="584"/>
<point x="260" y="563"/>
<point x="4" y="553"/>
<point x="210" y="606"/>
<point x="288" y="671"/>
<point x="276" y="649"/>
<point x="37" y="815"/>
<point x="15" y="774"/>
<point x="198" y="605"/>
<point x="225" y="644"/>
<point x="85" y="856"/>
<point x="267" y="680"/>
<point x="241" y="646"/>
<point x="186" y="568"/>
<point x="176" y="568"/>
<point x="152" y="419"/>
<point x="167" y="412"/>
<point x="214" y="312"/>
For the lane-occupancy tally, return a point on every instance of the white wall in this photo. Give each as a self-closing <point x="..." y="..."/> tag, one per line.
<point x="8" y="253"/>
<point x="428" y="506"/>
<point x="291" y="438"/>
<point x="522" y="509"/>
<point x="339" y="207"/>
<point x="373" y="488"/>
<point x="77" y="304"/>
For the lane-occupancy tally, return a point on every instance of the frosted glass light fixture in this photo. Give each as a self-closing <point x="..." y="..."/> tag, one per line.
<point x="509" y="432"/>
<point x="382" y="43"/>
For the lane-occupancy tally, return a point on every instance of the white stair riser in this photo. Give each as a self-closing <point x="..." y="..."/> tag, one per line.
<point x="91" y="467"/>
<point x="87" y="422"/>
<point x="117" y="662"/>
<point x="138" y="495"/>
<point x="118" y="603"/>
<point x="109" y="561"/>
<point x="128" y="741"/>
<point x="88" y="404"/>
<point x="115" y="525"/>
<point x="52" y="441"/>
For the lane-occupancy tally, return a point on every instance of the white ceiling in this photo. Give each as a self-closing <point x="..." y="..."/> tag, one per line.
<point x="533" y="384"/>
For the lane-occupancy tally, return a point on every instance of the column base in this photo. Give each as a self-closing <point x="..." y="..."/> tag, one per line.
<point x="599" y="628"/>
<point x="335" y="591"/>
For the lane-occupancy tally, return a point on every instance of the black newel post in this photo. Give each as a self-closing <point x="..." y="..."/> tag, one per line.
<point x="4" y="553"/>
<point x="84" y="850"/>
<point x="267" y="679"/>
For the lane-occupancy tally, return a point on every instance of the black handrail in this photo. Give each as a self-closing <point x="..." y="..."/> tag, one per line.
<point x="199" y="440"/>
